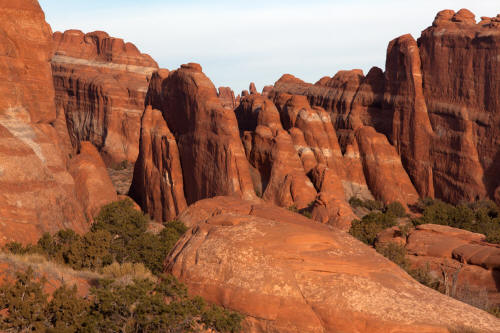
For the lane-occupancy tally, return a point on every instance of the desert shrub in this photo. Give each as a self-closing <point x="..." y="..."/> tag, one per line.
<point x="119" y="247"/>
<point x="306" y="212"/>
<point x="395" y="209"/>
<point x="355" y="202"/>
<point x="395" y="253"/>
<point x="66" y="312"/>
<point x="481" y="217"/>
<point x="423" y="276"/>
<point x="217" y="318"/>
<point x="17" y="248"/>
<point x="141" y="306"/>
<point x="369" y="226"/>
<point x="121" y="219"/>
<point x="368" y="204"/>
<point x="118" y="235"/>
<point x="25" y="302"/>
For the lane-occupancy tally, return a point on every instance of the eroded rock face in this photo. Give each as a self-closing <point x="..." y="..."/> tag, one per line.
<point x="94" y="188"/>
<point x="227" y="98"/>
<point x="290" y="275"/>
<point x="37" y="194"/>
<point x="211" y="153"/>
<point x="385" y="175"/>
<point x="25" y="46"/>
<point x="460" y="65"/>
<point x="444" y="127"/>
<point x="158" y="185"/>
<point x="331" y="206"/>
<point x="280" y="175"/>
<point x="351" y="99"/>
<point x="412" y="132"/>
<point x="101" y="84"/>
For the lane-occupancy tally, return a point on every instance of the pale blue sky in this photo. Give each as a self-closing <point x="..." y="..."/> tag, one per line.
<point x="237" y="42"/>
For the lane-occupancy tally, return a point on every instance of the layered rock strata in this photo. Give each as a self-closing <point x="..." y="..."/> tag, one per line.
<point x="101" y="84"/>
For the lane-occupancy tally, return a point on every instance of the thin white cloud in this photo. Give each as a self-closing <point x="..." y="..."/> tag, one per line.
<point x="238" y="43"/>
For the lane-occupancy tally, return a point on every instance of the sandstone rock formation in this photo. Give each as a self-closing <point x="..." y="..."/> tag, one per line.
<point x="384" y="172"/>
<point x="444" y="127"/>
<point x="92" y="183"/>
<point x="317" y="145"/>
<point x="101" y="84"/>
<point x="412" y="132"/>
<point x="267" y="90"/>
<point x="157" y="185"/>
<point x="278" y="171"/>
<point x="227" y="98"/>
<point x="460" y="81"/>
<point x="467" y="266"/>
<point x="290" y="275"/>
<point x="211" y="153"/>
<point x="252" y="88"/>
<point x="37" y="194"/>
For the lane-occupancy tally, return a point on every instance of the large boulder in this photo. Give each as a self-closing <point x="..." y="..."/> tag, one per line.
<point x="467" y="266"/>
<point x="287" y="274"/>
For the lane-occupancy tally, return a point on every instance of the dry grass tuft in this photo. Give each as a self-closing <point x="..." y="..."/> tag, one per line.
<point x="45" y="267"/>
<point x="126" y="273"/>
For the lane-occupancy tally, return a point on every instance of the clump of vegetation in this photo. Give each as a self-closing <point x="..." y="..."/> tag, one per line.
<point x="119" y="234"/>
<point x="371" y="205"/>
<point x="370" y="225"/>
<point x="140" y="306"/>
<point x="395" y="208"/>
<point x="307" y="211"/>
<point x="397" y="254"/>
<point x="481" y="217"/>
<point x="132" y="296"/>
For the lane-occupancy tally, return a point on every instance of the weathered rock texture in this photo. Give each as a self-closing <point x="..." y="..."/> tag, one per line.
<point x="94" y="188"/>
<point x="412" y="131"/>
<point x="227" y="98"/>
<point x="157" y="185"/>
<point x="342" y="136"/>
<point x="37" y="194"/>
<point x="212" y="156"/>
<point x="437" y="103"/>
<point x="461" y="71"/>
<point x="101" y="83"/>
<point x="467" y="266"/>
<point x="384" y="172"/>
<point x="351" y="98"/>
<point x="290" y="275"/>
<point x="279" y="173"/>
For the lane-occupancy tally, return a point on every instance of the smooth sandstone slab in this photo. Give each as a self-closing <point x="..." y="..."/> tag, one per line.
<point x="289" y="274"/>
